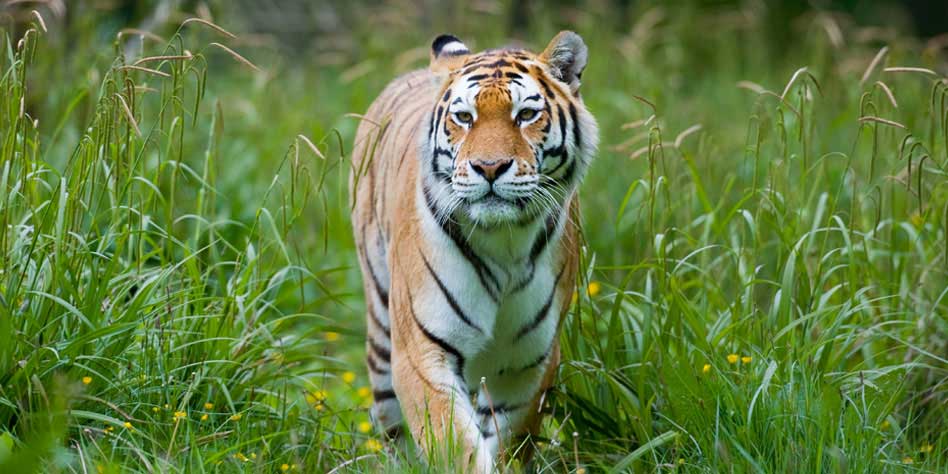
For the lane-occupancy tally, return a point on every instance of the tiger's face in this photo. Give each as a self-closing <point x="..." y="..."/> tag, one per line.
<point x="509" y="138"/>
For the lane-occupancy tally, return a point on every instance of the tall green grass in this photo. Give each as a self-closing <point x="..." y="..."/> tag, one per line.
<point x="765" y="284"/>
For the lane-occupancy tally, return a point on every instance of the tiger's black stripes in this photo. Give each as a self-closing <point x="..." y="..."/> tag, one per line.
<point x="379" y="351"/>
<point x="450" y="228"/>
<point x="374" y="365"/>
<point x="532" y="365"/>
<point x="378" y="322"/>
<point x="577" y="135"/>
<point x="452" y="302"/>
<point x="381" y="395"/>
<point x="499" y="408"/>
<point x="498" y="64"/>
<point x="543" y="239"/>
<point x="539" y="244"/>
<point x="568" y="174"/>
<point x="382" y="292"/>
<point x="437" y="119"/>
<point x="546" y="88"/>
<point x="444" y="345"/>
<point x="560" y="149"/>
<point x="544" y="311"/>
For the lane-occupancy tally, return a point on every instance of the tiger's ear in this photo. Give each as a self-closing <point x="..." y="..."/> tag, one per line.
<point x="447" y="53"/>
<point x="566" y="55"/>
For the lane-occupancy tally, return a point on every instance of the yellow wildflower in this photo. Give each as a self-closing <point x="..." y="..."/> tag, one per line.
<point x="253" y="455"/>
<point x="593" y="288"/>
<point x="236" y="417"/>
<point x="240" y="457"/>
<point x="917" y="220"/>
<point x="581" y="470"/>
<point x="316" y="397"/>
<point x="681" y="461"/>
<point x="331" y="336"/>
<point x="373" y="445"/>
<point x="110" y="429"/>
<point x="128" y="426"/>
<point x="208" y="406"/>
<point x="364" y="392"/>
<point x="319" y="407"/>
<point x="86" y="380"/>
<point x="732" y="358"/>
<point x="747" y="359"/>
<point x="179" y="415"/>
<point x="907" y="460"/>
<point x="365" y="427"/>
<point x="154" y="409"/>
<point x="284" y="467"/>
<point x="926" y="448"/>
<point x="204" y="417"/>
<point x="348" y="377"/>
<point x="706" y="368"/>
<point x="167" y="407"/>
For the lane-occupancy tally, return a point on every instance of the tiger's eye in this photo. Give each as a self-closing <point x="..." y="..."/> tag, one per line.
<point x="526" y="115"/>
<point x="464" y="117"/>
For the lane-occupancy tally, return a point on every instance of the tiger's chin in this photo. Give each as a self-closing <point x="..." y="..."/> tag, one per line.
<point x="492" y="211"/>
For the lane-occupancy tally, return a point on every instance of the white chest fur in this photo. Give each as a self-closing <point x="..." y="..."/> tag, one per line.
<point x="494" y="299"/>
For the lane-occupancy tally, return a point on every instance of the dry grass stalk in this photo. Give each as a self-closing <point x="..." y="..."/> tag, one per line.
<point x="39" y="18"/>
<point x="145" y="69"/>
<point x="888" y="93"/>
<point x="237" y="56"/>
<point x="128" y="114"/>
<point x="911" y="69"/>
<point x="142" y="33"/>
<point x="181" y="57"/>
<point x="637" y="123"/>
<point x="684" y="134"/>
<point x="209" y="25"/>
<point x="363" y="117"/>
<point x="751" y="86"/>
<point x="311" y="146"/>
<point x="872" y="65"/>
<point x="793" y="79"/>
<point x="882" y="121"/>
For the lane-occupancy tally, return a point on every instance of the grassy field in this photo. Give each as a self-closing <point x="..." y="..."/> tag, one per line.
<point x="766" y="262"/>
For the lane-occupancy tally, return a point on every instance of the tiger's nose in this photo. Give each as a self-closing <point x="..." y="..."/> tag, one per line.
<point x="491" y="169"/>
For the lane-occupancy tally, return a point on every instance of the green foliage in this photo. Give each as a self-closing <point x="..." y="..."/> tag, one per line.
<point x="767" y="292"/>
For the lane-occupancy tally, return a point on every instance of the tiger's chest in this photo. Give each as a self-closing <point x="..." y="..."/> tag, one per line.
<point x="524" y="327"/>
<point x="494" y="298"/>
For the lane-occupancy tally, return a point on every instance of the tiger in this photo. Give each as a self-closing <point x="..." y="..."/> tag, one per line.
<point x="465" y="217"/>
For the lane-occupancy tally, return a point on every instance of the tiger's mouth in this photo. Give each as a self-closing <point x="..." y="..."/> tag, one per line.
<point x="493" y="208"/>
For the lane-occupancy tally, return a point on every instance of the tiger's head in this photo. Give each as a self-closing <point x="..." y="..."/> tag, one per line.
<point x="509" y="138"/>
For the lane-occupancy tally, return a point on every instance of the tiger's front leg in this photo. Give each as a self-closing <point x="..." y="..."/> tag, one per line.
<point x="434" y="398"/>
